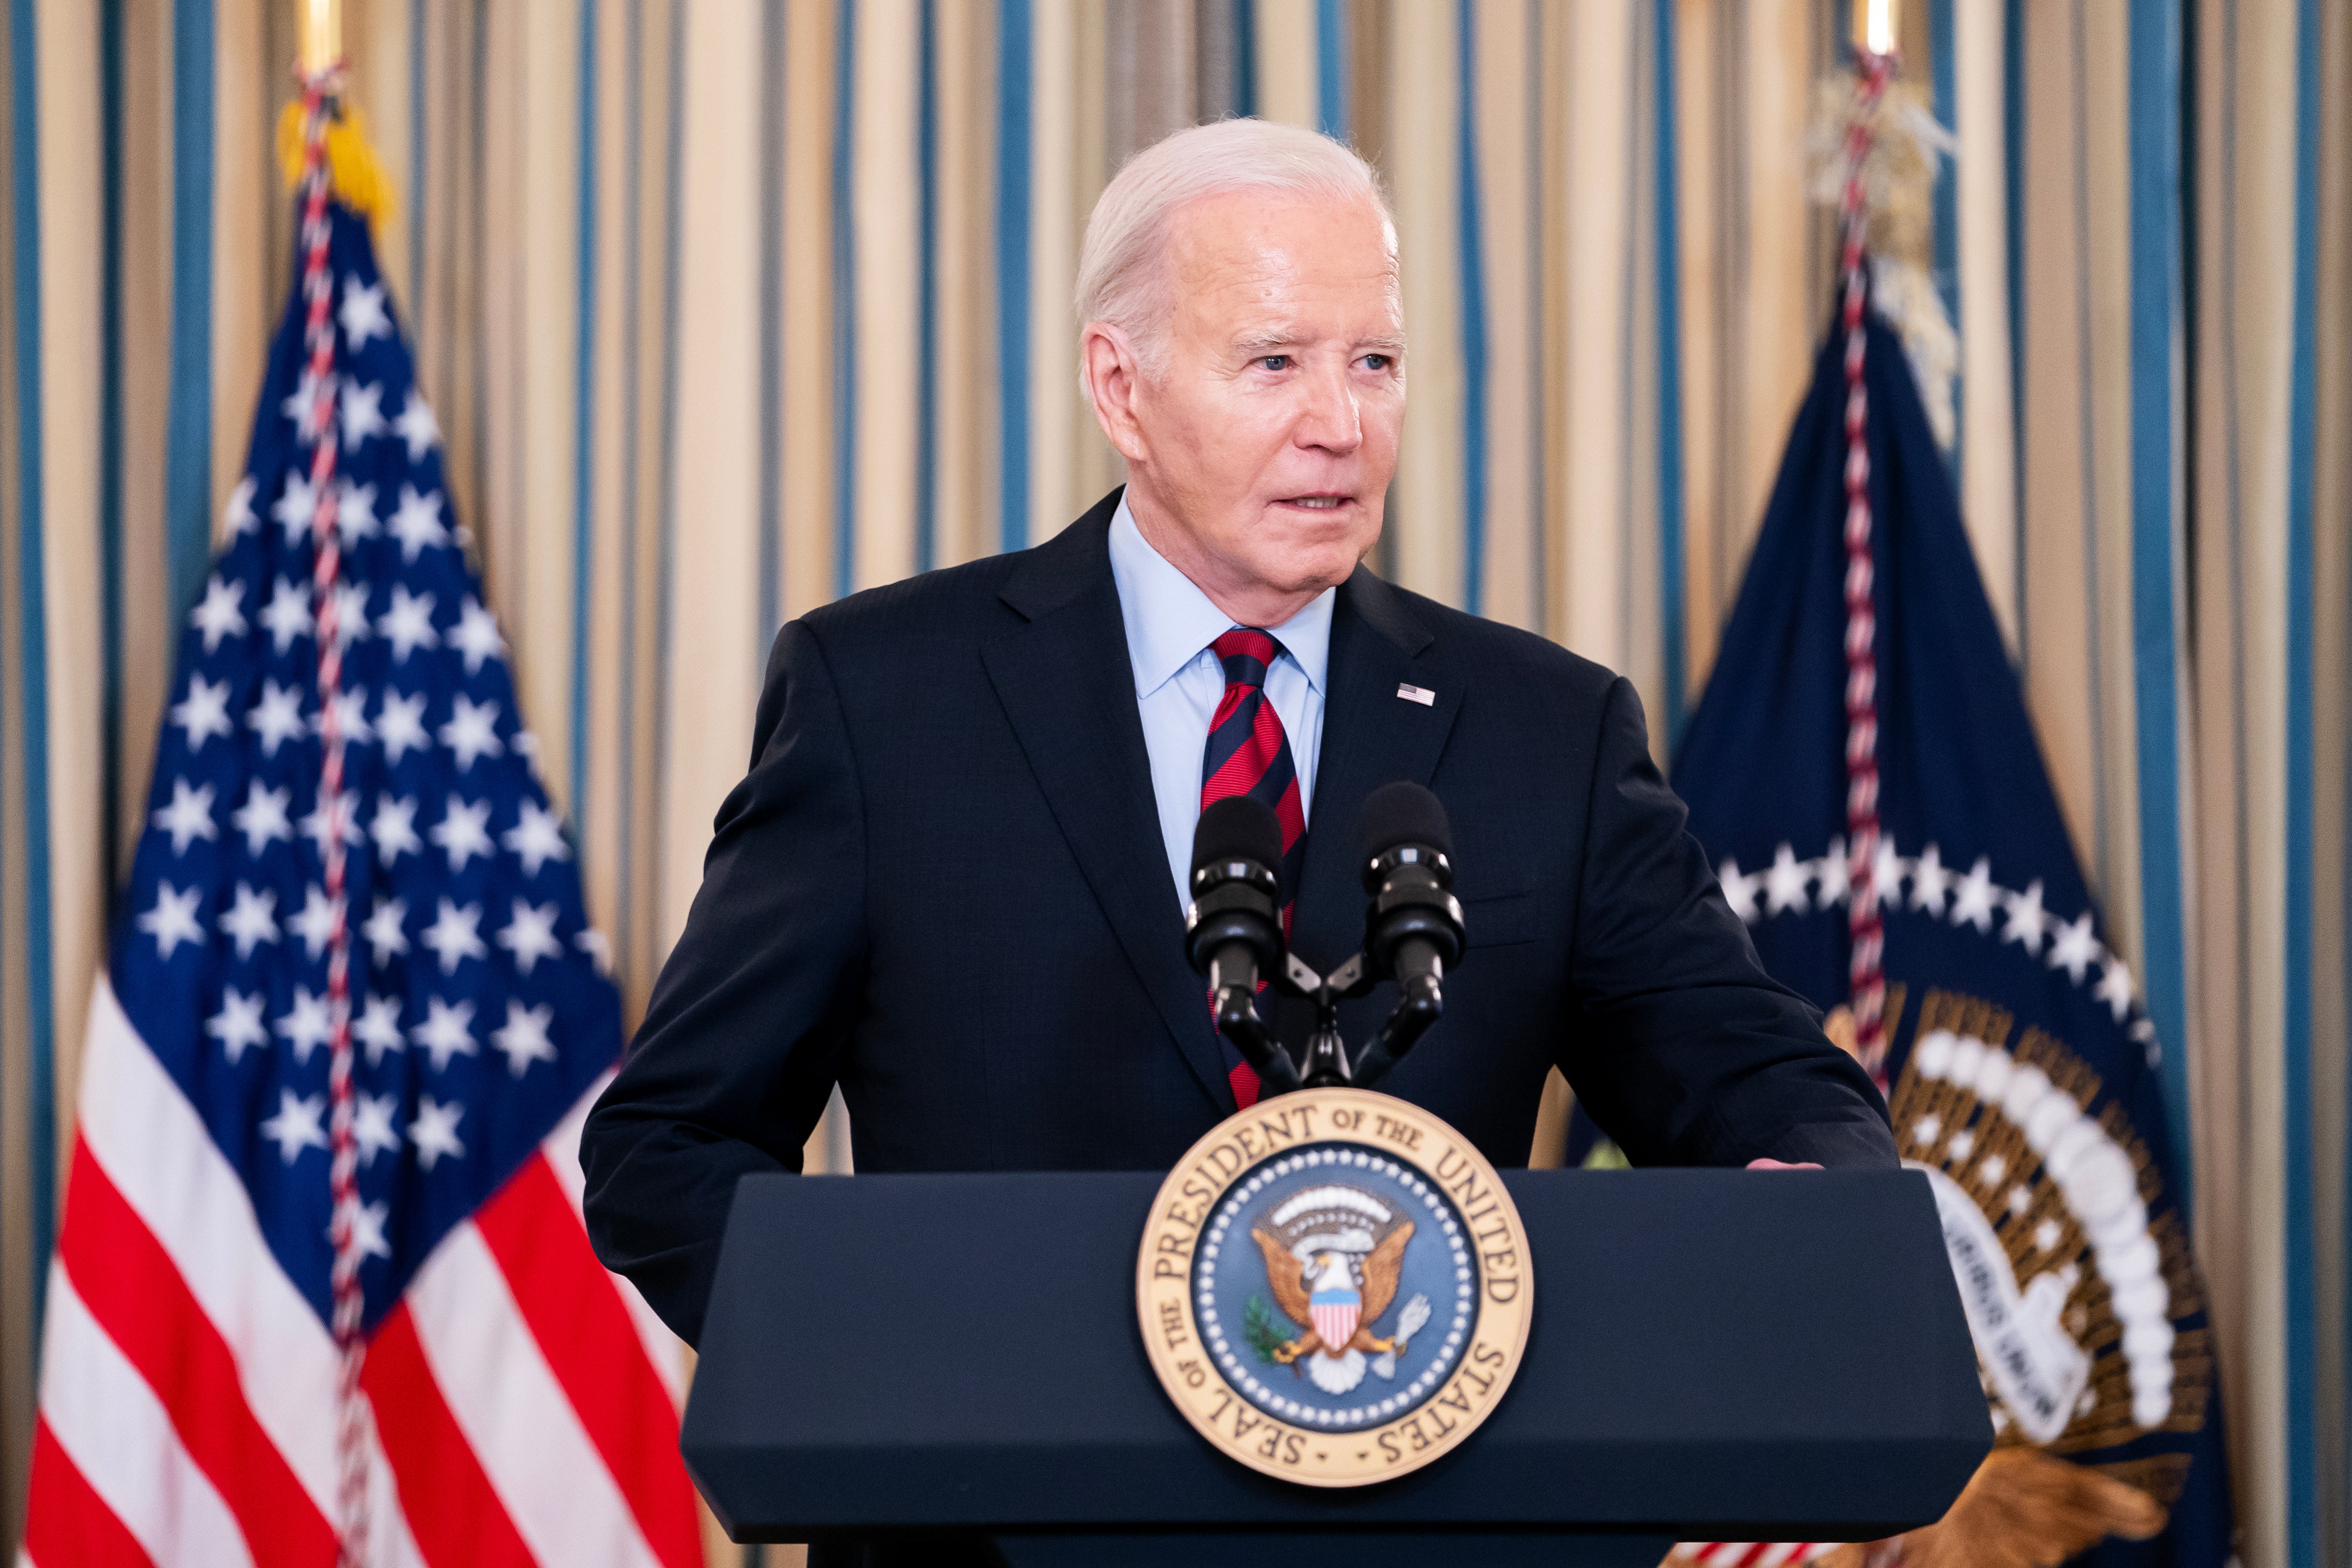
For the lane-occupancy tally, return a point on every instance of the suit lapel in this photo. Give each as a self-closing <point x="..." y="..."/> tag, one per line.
<point x="1370" y="737"/>
<point x="1068" y="688"/>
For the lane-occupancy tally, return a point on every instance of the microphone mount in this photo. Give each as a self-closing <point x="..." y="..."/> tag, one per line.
<point x="1417" y="1008"/>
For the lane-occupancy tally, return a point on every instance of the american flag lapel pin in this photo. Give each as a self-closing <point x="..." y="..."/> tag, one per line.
<point x="1408" y="692"/>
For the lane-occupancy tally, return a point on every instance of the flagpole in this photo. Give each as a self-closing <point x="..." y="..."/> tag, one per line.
<point x="320" y="67"/>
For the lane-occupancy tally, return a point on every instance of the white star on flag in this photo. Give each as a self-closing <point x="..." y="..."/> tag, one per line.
<point x="537" y="839"/>
<point x="296" y="507"/>
<point x="363" y="315"/>
<point x="262" y="818"/>
<point x="355" y="515"/>
<point x="1931" y="882"/>
<point x="530" y="935"/>
<point x="203" y="713"/>
<point x="371" y="1126"/>
<point x="434" y="1130"/>
<point x="220" y="616"/>
<point x="384" y="930"/>
<point x="316" y="924"/>
<point x="296" y="1127"/>
<point x="464" y="833"/>
<point x="366" y="1223"/>
<point x="307" y="1025"/>
<point x="394" y="828"/>
<point x="173" y="921"/>
<point x="448" y="1032"/>
<point x="1886" y="875"/>
<point x="377" y="1028"/>
<point x="362" y="411"/>
<point x="237" y="1026"/>
<point x="288" y="613"/>
<point x="1836" y="879"/>
<point x="237" y="518"/>
<point x="306" y="405"/>
<point x="472" y="733"/>
<point x="189" y="816"/>
<point x="278" y="716"/>
<point x="416" y="427"/>
<point x="350" y="614"/>
<point x="416" y="523"/>
<point x="320" y="824"/>
<point x="251" y="919"/>
<point x="350" y="717"/>
<point x="2073" y="949"/>
<point x="408" y="625"/>
<point x="400" y="725"/>
<point x="1784" y="881"/>
<point x="1974" y="901"/>
<point x="523" y="1037"/>
<point x="476" y="636"/>
<point x="455" y="936"/>
<point x="2116" y="987"/>
<point x="599" y="950"/>
<point x="2028" y="920"/>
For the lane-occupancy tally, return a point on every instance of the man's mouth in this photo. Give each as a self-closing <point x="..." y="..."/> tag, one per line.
<point x="1317" y="502"/>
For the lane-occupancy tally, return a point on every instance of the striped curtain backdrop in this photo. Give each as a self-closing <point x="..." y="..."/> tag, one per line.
<point x="729" y="308"/>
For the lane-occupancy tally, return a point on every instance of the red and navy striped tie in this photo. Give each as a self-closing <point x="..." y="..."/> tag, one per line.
<point x="1249" y="755"/>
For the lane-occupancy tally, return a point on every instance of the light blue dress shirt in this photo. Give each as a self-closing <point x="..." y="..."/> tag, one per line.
<point x="1178" y="682"/>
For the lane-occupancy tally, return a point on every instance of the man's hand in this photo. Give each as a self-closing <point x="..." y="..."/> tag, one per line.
<point x="1781" y="1166"/>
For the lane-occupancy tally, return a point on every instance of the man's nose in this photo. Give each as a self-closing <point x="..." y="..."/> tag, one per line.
<point x="1331" y="419"/>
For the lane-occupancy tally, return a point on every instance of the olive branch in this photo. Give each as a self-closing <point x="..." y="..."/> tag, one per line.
<point x="1266" y="1330"/>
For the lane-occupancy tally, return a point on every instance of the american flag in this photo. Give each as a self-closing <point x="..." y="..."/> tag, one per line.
<point x="517" y="1403"/>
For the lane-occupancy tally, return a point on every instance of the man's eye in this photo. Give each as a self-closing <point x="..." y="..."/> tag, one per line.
<point x="1380" y="362"/>
<point x="1274" y="362"/>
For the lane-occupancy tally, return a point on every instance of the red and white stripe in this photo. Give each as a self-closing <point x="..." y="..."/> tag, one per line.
<point x="521" y="1402"/>
<point x="1750" y="1553"/>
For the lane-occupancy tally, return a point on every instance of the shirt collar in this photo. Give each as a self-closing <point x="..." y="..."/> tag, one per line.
<point x="1170" y="620"/>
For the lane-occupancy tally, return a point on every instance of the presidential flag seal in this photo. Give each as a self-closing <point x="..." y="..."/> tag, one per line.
<point x="1334" y="1287"/>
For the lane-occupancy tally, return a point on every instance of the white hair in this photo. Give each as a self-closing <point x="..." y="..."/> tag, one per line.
<point x="1122" y="280"/>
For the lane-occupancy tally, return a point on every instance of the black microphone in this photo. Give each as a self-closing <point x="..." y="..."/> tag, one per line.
<point x="1413" y="929"/>
<point x="1233" y="931"/>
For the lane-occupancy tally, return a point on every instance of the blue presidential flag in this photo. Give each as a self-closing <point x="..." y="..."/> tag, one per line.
<point x="2021" y="1071"/>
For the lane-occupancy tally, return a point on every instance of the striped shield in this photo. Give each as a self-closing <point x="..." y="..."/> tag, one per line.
<point x="1335" y="1309"/>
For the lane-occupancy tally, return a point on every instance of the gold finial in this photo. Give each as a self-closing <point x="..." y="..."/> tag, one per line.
<point x="1874" y="25"/>
<point x="322" y="30"/>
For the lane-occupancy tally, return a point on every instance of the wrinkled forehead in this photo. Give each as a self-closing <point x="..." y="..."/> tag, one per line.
<point x="1244" y="263"/>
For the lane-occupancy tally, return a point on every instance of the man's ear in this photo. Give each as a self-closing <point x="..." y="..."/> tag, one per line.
<point x="1113" y="379"/>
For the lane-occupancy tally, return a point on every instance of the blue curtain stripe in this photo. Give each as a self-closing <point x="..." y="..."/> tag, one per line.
<point x="1473" y="311"/>
<point x="32" y="641"/>
<point x="1671" y="587"/>
<point x="1012" y="89"/>
<point x="2302" y="1274"/>
<point x="2155" y="173"/>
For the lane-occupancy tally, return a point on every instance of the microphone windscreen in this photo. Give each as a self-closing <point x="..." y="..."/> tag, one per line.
<point x="1238" y="827"/>
<point x="1403" y="812"/>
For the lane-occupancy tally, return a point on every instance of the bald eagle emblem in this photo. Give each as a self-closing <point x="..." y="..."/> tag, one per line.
<point x="1332" y="1256"/>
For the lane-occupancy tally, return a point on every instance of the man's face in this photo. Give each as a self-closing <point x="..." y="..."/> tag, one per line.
<point x="1269" y="434"/>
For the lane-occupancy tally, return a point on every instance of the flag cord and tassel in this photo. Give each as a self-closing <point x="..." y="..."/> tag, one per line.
<point x="1866" y="974"/>
<point x="319" y="90"/>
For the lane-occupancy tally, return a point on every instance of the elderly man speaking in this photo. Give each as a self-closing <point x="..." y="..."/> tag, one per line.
<point x="953" y="880"/>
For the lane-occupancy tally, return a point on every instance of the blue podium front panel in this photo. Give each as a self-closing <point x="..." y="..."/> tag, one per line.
<point x="1716" y="1354"/>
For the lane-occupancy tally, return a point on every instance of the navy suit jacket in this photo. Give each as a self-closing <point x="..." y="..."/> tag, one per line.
<point x="942" y="886"/>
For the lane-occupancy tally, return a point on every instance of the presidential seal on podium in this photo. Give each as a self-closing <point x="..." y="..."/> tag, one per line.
<point x="1334" y="1287"/>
